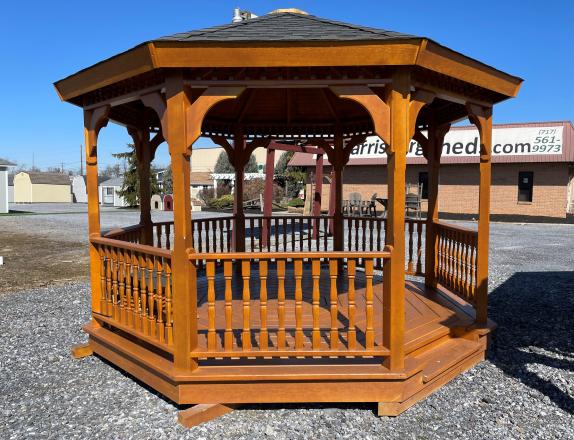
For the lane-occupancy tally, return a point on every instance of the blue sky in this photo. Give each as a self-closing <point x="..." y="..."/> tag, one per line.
<point x="42" y="42"/>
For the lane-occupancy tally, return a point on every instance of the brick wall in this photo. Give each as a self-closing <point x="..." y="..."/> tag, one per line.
<point x="458" y="191"/>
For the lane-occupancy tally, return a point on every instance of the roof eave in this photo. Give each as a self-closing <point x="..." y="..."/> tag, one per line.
<point x="175" y="54"/>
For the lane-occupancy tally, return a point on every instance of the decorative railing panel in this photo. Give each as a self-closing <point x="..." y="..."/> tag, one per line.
<point x="289" y="304"/>
<point x="456" y="260"/>
<point x="367" y="234"/>
<point x="136" y="289"/>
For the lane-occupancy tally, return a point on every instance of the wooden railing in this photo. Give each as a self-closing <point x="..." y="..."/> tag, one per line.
<point x="289" y="304"/>
<point x="130" y="234"/>
<point x="367" y="234"/>
<point x="288" y="233"/>
<point x="136" y="290"/>
<point x="456" y="258"/>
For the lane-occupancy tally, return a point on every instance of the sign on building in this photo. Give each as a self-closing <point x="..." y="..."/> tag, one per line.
<point x="516" y="141"/>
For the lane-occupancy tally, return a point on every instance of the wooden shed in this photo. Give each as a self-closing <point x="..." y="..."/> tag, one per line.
<point x="33" y="187"/>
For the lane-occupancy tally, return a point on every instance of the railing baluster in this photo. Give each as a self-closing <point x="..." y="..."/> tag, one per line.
<point x="351" y="333"/>
<point x="159" y="300"/>
<point x="409" y="225"/>
<point x="168" y="304"/>
<point x="122" y="286"/>
<point x="298" y="304"/>
<point x="214" y="235"/>
<point x="364" y="233"/>
<point x="210" y="275"/>
<point x="151" y="297"/>
<point x="228" y="273"/>
<point x="276" y="227"/>
<point x="221" y="241"/>
<point x="325" y="234"/>
<point x="143" y="295"/>
<point x="379" y="262"/>
<point x="309" y="234"/>
<point x="246" y="335"/>
<point x="281" y="304"/>
<point x="292" y="224"/>
<point x="228" y="226"/>
<point x="158" y="230"/>
<point x="419" y="248"/>
<point x="136" y="314"/>
<point x="129" y="292"/>
<point x="316" y="274"/>
<point x="103" y="287"/>
<point x="115" y="295"/>
<point x="260" y="233"/>
<point x="167" y="236"/>
<point x="284" y="235"/>
<point x="349" y="222"/>
<point x="356" y="235"/>
<point x="252" y="233"/>
<point x="370" y="332"/>
<point x="263" y="335"/>
<point x="207" y="241"/>
<point x="333" y="302"/>
<point x="300" y="221"/>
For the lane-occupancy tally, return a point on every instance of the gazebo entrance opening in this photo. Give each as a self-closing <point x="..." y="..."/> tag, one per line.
<point x="243" y="309"/>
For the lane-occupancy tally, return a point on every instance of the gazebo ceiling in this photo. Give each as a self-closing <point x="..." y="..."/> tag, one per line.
<point x="287" y="61"/>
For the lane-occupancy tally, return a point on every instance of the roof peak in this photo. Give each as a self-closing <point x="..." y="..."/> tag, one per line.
<point x="286" y="25"/>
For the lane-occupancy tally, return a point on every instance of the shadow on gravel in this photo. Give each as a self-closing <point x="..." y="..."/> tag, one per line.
<point x="535" y="316"/>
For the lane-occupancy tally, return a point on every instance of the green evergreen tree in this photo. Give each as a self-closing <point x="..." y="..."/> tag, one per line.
<point x="288" y="177"/>
<point x="223" y="166"/>
<point x="130" y="189"/>
<point x="167" y="181"/>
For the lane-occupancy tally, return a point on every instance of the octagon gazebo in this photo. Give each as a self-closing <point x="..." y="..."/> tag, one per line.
<point x="240" y="309"/>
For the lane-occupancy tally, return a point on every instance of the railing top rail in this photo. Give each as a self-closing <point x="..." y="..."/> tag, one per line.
<point x="455" y="227"/>
<point x="142" y="248"/>
<point x="192" y="255"/>
<point x="118" y="231"/>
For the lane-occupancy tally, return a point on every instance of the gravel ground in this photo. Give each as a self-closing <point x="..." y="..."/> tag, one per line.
<point x="524" y="390"/>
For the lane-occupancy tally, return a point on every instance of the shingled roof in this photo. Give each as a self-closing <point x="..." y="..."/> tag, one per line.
<point x="287" y="26"/>
<point x="6" y="163"/>
<point x="49" y="178"/>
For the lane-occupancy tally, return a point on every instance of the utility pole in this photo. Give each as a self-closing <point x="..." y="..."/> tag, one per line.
<point x="81" y="161"/>
<point x="33" y="162"/>
<point x="62" y="164"/>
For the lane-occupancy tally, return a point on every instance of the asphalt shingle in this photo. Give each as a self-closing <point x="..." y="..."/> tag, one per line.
<point x="287" y="26"/>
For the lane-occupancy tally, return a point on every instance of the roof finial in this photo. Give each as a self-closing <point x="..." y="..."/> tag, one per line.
<point x="291" y="10"/>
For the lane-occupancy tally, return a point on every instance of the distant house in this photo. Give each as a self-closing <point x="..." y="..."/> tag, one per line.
<point x="109" y="192"/>
<point x="200" y="181"/>
<point x="32" y="187"/>
<point x="5" y="166"/>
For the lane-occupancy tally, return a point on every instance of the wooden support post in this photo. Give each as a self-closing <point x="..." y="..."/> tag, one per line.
<point x="317" y="194"/>
<point x="268" y="195"/>
<point x="144" y="153"/>
<point x="332" y="198"/>
<point x="433" y="151"/>
<point x="239" y="216"/>
<point x="339" y="163"/>
<point x="482" y="118"/>
<point x="183" y="272"/>
<point x="394" y="269"/>
<point x="94" y="121"/>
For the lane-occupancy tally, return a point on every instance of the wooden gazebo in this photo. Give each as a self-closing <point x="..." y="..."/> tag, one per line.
<point x="243" y="309"/>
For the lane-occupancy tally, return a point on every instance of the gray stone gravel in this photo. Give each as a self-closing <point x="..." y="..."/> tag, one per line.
<point x="525" y="390"/>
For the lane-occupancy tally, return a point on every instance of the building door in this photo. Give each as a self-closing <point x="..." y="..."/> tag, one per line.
<point x="108" y="195"/>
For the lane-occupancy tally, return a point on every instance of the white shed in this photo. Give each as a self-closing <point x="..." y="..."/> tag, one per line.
<point x="109" y="192"/>
<point x="5" y="166"/>
<point x="79" y="194"/>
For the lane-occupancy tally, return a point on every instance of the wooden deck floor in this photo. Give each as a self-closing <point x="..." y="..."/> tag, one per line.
<point x="429" y="315"/>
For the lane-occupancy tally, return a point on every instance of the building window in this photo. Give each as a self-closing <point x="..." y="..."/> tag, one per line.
<point x="424" y="184"/>
<point x="109" y="191"/>
<point x="525" y="186"/>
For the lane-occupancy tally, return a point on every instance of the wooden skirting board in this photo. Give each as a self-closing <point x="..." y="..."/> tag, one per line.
<point x="218" y="390"/>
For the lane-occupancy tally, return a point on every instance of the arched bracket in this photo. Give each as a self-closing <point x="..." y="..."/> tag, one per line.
<point x="94" y="121"/>
<point x="327" y="148"/>
<point x="156" y="101"/>
<point x="224" y="143"/>
<point x="480" y="116"/>
<point x="253" y="145"/>
<point x="155" y="142"/>
<point x="378" y="109"/>
<point x="352" y="143"/>
<point x="418" y="100"/>
<point x="196" y="112"/>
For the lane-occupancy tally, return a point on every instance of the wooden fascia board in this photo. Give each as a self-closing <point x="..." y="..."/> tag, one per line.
<point x="443" y="60"/>
<point x="128" y="64"/>
<point x="179" y="54"/>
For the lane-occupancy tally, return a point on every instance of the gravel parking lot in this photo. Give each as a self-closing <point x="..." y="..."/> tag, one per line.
<point x="524" y="390"/>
